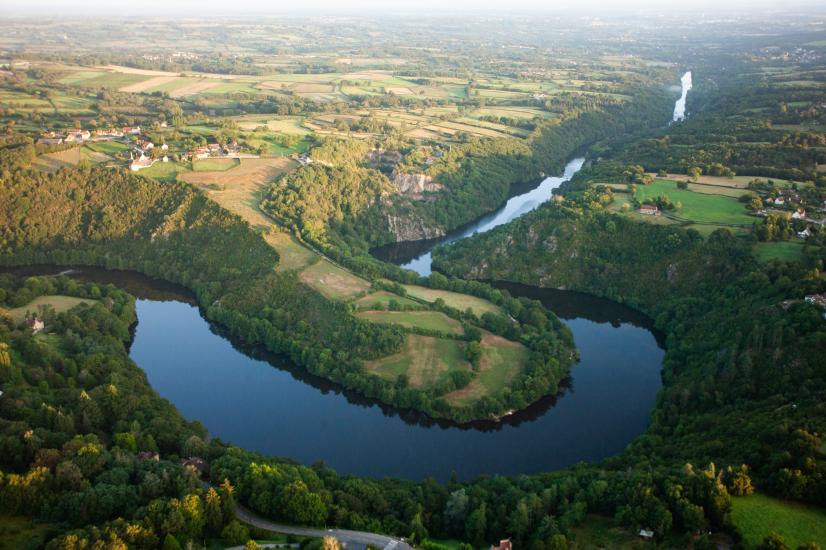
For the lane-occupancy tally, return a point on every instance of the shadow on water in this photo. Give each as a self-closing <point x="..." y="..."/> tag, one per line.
<point x="233" y="389"/>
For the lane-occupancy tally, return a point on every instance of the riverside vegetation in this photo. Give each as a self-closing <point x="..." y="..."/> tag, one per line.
<point x="741" y="406"/>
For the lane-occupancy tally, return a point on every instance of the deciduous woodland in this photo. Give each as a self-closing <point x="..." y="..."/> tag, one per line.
<point x="256" y="164"/>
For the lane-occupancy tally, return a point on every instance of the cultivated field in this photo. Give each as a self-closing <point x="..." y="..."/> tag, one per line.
<point x="52" y="162"/>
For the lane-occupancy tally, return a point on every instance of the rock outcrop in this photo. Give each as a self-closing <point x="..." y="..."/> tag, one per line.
<point x="410" y="228"/>
<point x="415" y="184"/>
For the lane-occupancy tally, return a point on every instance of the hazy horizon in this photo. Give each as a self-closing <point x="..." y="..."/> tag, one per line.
<point x="242" y="8"/>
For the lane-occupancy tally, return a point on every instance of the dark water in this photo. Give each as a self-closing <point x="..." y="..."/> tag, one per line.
<point x="264" y="403"/>
<point x="415" y="255"/>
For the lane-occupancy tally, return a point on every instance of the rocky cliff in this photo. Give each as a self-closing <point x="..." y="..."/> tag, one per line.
<point x="415" y="184"/>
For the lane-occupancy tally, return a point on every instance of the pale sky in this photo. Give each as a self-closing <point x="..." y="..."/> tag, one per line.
<point x="241" y="8"/>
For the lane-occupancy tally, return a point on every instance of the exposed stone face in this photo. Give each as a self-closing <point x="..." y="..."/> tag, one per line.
<point x="415" y="184"/>
<point x="406" y="228"/>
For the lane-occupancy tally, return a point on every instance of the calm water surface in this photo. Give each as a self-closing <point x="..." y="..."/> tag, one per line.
<point x="265" y="403"/>
<point x="262" y="402"/>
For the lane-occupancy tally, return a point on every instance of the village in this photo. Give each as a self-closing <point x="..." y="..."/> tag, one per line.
<point x="143" y="153"/>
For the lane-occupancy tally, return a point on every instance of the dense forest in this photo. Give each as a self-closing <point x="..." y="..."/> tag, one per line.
<point x="118" y="220"/>
<point x="744" y="368"/>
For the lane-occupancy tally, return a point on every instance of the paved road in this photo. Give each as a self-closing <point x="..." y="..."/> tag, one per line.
<point x="354" y="540"/>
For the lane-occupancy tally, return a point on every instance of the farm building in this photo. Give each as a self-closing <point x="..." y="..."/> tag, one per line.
<point x="649" y="209"/>
<point x="34" y="324"/>
<point x="503" y="545"/>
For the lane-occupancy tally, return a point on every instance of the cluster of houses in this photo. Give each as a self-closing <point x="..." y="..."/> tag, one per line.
<point x="214" y="150"/>
<point x="78" y="135"/>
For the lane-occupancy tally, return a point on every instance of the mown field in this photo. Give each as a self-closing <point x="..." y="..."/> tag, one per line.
<point x="56" y="302"/>
<point x="696" y="206"/>
<point x="501" y="361"/>
<point x="757" y="515"/>
<point x="426" y="320"/>
<point x="425" y="361"/>
<point x="453" y="299"/>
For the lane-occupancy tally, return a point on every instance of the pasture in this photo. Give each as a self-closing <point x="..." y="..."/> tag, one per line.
<point x="19" y="532"/>
<point x="756" y="516"/>
<point x="425" y="361"/>
<point x="695" y="206"/>
<point x="332" y="281"/>
<point x="57" y="302"/>
<point x="502" y="360"/>
<point x="166" y="172"/>
<point x="786" y="251"/>
<point x="453" y="299"/>
<point x="382" y="299"/>
<point x="214" y="164"/>
<point x="426" y="320"/>
<point x="52" y="162"/>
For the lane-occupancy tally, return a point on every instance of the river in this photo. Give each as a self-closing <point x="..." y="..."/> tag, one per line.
<point x="679" y="106"/>
<point x="263" y="402"/>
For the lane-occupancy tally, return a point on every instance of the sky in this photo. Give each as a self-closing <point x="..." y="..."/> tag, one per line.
<point x="198" y="8"/>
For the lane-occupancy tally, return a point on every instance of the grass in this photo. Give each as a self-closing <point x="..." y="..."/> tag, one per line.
<point x="214" y="165"/>
<point x="427" y="320"/>
<point x="425" y="361"/>
<point x="332" y="281"/>
<point x="697" y="207"/>
<point x="18" y="533"/>
<point x="453" y="299"/>
<point x="757" y="515"/>
<point x="108" y="147"/>
<point x="382" y="299"/>
<point x="166" y="172"/>
<point x="786" y="251"/>
<point x="501" y="361"/>
<point x="51" y="162"/>
<point x="57" y="302"/>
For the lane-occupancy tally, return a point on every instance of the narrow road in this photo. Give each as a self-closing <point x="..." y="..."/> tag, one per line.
<point x="354" y="540"/>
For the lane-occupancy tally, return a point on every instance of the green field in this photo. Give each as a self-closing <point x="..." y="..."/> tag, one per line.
<point x="453" y="299"/>
<point x="787" y="251"/>
<point x="332" y="281"/>
<point x="427" y="320"/>
<point x="166" y="172"/>
<point x="425" y="360"/>
<point x="214" y="165"/>
<point x="756" y="516"/>
<point x="108" y="147"/>
<point x="57" y="302"/>
<point x="501" y="361"/>
<point x="697" y="207"/>
<point x="382" y="299"/>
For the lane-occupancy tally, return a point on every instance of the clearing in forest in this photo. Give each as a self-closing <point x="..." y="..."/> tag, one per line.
<point x="697" y="207"/>
<point x="239" y="190"/>
<point x="58" y="302"/>
<point x="756" y="516"/>
<point x="427" y="320"/>
<point x="381" y="300"/>
<point x="502" y="360"/>
<point x="425" y="361"/>
<point x="332" y="281"/>
<point x="462" y="302"/>
<point x="52" y="162"/>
